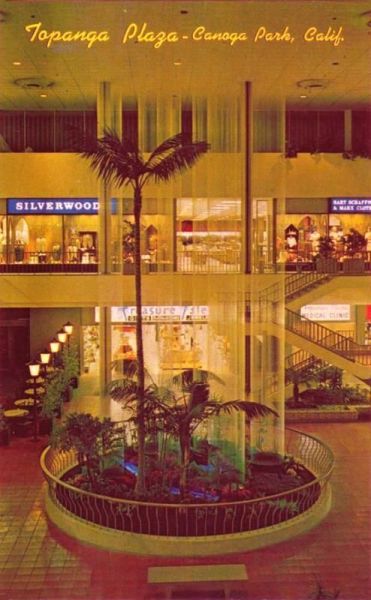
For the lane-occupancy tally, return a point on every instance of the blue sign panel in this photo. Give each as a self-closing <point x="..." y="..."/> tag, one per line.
<point x="53" y="206"/>
<point x="350" y="205"/>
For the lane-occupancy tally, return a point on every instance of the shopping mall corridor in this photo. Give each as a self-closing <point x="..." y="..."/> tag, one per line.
<point x="37" y="561"/>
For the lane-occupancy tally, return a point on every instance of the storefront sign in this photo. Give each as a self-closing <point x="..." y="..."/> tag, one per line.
<point x="52" y="206"/>
<point x="326" y="312"/>
<point x="151" y="314"/>
<point x="350" y="205"/>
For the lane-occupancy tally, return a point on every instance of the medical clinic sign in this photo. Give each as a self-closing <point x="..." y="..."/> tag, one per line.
<point x="52" y="206"/>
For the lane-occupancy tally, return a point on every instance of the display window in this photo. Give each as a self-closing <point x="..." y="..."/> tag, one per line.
<point x="3" y="239"/>
<point x="346" y="232"/>
<point x="49" y="232"/>
<point x="208" y="234"/>
<point x="90" y="345"/>
<point x="81" y="238"/>
<point x="298" y="236"/>
<point x="156" y="235"/>
<point x="175" y="338"/>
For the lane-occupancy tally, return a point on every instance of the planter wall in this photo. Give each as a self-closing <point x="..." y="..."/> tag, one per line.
<point x="316" y="415"/>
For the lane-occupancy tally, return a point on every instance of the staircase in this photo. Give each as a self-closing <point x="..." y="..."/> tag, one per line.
<point x="320" y="345"/>
<point x="300" y="361"/>
<point x="329" y="346"/>
<point x="297" y="285"/>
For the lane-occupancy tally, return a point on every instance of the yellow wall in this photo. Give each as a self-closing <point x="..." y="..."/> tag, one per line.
<point x="308" y="176"/>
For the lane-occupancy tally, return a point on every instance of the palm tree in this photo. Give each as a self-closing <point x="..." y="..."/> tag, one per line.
<point x="121" y="163"/>
<point x="165" y="411"/>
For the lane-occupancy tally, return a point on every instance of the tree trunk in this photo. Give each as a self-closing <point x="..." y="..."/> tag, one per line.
<point x="140" y="485"/>
<point x="185" y="450"/>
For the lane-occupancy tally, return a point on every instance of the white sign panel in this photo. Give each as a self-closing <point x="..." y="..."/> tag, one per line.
<point x="326" y="312"/>
<point x="152" y="314"/>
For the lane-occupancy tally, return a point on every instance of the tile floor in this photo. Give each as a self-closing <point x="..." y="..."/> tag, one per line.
<point x="37" y="561"/>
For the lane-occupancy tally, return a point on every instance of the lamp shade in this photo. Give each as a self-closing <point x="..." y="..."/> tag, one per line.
<point x="62" y="336"/>
<point x="45" y="357"/>
<point x="54" y="346"/>
<point x="34" y="368"/>
<point x="68" y="328"/>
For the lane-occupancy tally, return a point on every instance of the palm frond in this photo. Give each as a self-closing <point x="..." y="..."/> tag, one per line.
<point x="252" y="410"/>
<point x="163" y="149"/>
<point x="188" y="377"/>
<point x="173" y="157"/>
<point x="116" y="161"/>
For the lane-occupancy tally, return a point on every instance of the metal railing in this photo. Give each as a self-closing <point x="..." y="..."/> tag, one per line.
<point x="209" y="261"/>
<point x="328" y="339"/>
<point x="202" y="519"/>
<point x="17" y="261"/>
<point x="299" y="284"/>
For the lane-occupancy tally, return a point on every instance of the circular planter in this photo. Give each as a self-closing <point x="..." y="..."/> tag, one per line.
<point x="190" y="529"/>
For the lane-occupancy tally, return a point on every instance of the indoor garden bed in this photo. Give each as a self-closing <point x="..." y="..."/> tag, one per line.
<point x="269" y="500"/>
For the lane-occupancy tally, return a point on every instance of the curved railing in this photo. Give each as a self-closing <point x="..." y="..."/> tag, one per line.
<point x="206" y="519"/>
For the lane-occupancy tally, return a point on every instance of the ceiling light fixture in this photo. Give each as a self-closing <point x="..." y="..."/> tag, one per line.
<point x="177" y="63"/>
<point x="17" y="63"/>
<point x="303" y="96"/>
<point x="43" y="95"/>
<point x="366" y="17"/>
<point x="312" y="84"/>
<point x="34" y="83"/>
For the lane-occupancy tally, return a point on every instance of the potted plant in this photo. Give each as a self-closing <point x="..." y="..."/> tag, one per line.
<point x="95" y="442"/>
<point x="53" y="396"/>
<point x="71" y="365"/>
<point x="178" y="412"/>
<point x="325" y="260"/>
<point x="355" y="243"/>
<point x="4" y="429"/>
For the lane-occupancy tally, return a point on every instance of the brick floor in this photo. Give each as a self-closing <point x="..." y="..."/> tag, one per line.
<point x="38" y="561"/>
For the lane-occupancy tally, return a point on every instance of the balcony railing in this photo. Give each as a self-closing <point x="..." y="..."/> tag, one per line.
<point x="20" y="261"/>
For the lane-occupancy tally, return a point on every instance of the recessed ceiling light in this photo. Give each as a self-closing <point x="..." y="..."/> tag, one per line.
<point x="43" y="95"/>
<point x="303" y="96"/>
<point x="17" y="63"/>
<point x="177" y="63"/>
<point x="312" y="84"/>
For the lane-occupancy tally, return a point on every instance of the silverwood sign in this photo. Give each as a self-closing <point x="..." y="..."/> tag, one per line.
<point x="52" y="206"/>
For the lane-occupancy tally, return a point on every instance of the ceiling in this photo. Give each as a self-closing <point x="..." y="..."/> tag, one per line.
<point x="207" y="67"/>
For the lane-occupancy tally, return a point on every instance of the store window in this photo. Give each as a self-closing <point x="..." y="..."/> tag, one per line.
<point x="3" y="239"/>
<point x="53" y="232"/>
<point x="174" y="337"/>
<point x="208" y="235"/>
<point x="343" y="224"/>
<point x="157" y="238"/>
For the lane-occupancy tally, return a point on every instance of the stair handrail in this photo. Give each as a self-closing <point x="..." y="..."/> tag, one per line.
<point x="325" y="337"/>
<point x="296" y="283"/>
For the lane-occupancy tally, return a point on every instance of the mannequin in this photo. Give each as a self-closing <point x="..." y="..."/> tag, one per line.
<point x="314" y="238"/>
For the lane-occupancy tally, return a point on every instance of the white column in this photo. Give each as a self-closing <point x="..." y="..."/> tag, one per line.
<point x="108" y="118"/>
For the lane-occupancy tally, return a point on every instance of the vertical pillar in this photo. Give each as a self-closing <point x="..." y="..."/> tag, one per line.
<point x="104" y="348"/>
<point x="108" y="118"/>
<point x="248" y="122"/>
<point x="347" y="130"/>
<point x="360" y="323"/>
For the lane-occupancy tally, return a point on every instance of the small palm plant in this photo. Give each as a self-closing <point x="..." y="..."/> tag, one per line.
<point x="167" y="412"/>
<point x="121" y="163"/>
